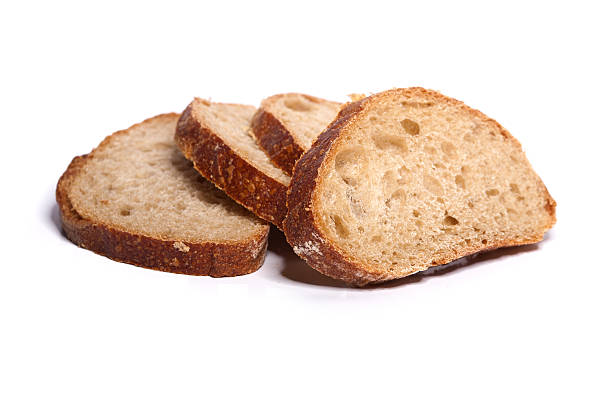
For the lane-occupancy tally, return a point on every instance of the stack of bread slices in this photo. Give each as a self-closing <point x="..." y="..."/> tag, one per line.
<point x="368" y="191"/>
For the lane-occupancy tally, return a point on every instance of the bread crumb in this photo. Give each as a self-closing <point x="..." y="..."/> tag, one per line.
<point x="307" y="248"/>
<point x="181" y="246"/>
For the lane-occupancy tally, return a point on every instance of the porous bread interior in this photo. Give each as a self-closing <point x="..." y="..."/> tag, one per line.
<point x="139" y="181"/>
<point x="232" y="124"/>
<point x="418" y="180"/>
<point x="303" y="115"/>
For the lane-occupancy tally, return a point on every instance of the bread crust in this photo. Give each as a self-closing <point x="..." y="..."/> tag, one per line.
<point x="275" y="140"/>
<point x="214" y="258"/>
<point x="219" y="163"/>
<point x="302" y="227"/>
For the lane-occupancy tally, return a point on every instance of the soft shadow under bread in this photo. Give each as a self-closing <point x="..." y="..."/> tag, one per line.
<point x="54" y="217"/>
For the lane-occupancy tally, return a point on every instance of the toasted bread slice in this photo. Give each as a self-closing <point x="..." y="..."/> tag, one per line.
<point x="407" y="179"/>
<point x="286" y="125"/>
<point x="136" y="199"/>
<point x="215" y="137"/>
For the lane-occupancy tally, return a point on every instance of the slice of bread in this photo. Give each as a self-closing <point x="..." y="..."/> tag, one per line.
<point x="407" y="179"/>
<point x="136" y="199"/>
<point x="215" y="137"/>
<point x="286" y="125"/>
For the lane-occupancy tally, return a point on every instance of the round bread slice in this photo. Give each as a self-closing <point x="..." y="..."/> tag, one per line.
<point x="216" y="138"/>
<point x="136" y="199"/>
<point x="286" y="125"/>
<point x="408" y="179"/>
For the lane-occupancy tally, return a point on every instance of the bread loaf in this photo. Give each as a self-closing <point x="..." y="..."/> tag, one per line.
<point x="407" y="179"/>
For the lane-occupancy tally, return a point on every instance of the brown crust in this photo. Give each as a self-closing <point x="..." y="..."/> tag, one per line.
<point x="244" y="183"/>
<point x="215" y="259"/>
<point x="275" y="140"/>
<point x="301" y="227"/>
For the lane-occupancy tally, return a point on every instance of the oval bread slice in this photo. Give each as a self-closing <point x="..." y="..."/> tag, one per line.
<point x="215" y="137"/>
<point x="286" y="125"/>
<point x="408" y="179"/>
<point x="136" y="199"/>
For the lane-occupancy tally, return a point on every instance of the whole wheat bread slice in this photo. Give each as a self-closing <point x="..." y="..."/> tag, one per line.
<point x="215" y="137"/>
<point x="407" y="179"/>
<point x="286" y="125"/>
<point x="136" y="199"/>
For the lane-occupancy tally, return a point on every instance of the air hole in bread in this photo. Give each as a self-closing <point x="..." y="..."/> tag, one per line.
<point x="297" y="104"/>
<point x="492" y="192"/>
<point x="433" y="185"/>
<point x="398" y="196"/>
<point x="430" y="150"/>
<point x="410" y="127"/>
<point x="413" y="104"/>
<point x="416" y="214"/>
<point x="384" y="142"/>
<point x="514" y="188"/>
<point x="460" y="181"/>
<point x="356" y="207"/>
<point x="484" y="241"/>
<point x="438" y="165"/>
<point x="449" y="220"/>
<point x="404" y="174"/>
<point x="389" y="179"/>
<point x="449" y="149"/>
<point x="126" y="211"/>
<point x="351" y="164"/>
<point x="341" y="229"/>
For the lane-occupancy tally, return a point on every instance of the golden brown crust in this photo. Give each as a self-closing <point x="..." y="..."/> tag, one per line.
<point x="215" y="259"/>
<point x="301" y="226"/>
<point x="275" y="140"/>
<point x="245" y="184"/>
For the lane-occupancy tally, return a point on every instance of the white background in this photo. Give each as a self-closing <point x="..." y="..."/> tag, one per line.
<point x="518" y="327"/>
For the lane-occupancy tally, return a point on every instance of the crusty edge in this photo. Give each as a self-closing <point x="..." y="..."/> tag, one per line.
<point x="275" y="140"/>
<point x="219" y="163"/>
<point x="216" y="259"/>
<point x="308" y="240"/>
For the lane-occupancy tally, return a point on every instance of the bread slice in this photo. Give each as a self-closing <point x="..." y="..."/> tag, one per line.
<point x="215" y="137"/>
<point x="136" y="199"/>
<point x="407" y="179"/>
<point x="286" y="125"/>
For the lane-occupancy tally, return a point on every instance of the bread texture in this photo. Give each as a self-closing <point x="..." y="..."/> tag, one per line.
<point x="215" y="137"/>
<point x="408" y="179"/>
<point x="136" y="199"/>
<point x="286" y="125"/>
